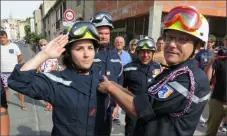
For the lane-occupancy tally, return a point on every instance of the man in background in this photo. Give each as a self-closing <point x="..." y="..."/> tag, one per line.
<point x="159" y="54"/>
<point x="10" y="56"/>
<point x="119" y="44"/>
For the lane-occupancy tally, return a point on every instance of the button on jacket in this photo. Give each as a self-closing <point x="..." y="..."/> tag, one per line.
<point x="73" y="96"/>
<point x="174" y="102"/>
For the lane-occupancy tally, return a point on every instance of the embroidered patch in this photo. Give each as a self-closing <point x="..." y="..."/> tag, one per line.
<point x="108" y="73"/>
<point x="149" y="80"/>
<point x="156" y="72"/>
<point x="92" y="112"/>
<point x="165" y="92"/>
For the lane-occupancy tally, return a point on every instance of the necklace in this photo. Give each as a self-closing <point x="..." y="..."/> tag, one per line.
<point x="157" y="87"/>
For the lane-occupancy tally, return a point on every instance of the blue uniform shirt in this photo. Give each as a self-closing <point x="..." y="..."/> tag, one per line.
<point x="125" y="57"/>
<point x="111" y="65"/>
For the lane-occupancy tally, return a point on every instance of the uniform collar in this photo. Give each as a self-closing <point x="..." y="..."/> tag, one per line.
<point x="71" y="75"/>
<point x="189" y="63"/>
<point x="104" y="47"/>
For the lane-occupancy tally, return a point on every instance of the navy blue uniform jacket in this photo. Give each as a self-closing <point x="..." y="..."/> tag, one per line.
<point x="168" y="111"/>
<point x="73" y="97"/>
<point x="112" y="67"/>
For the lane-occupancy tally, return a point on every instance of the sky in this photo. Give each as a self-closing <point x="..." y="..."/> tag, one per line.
<point x="19" y="9"/>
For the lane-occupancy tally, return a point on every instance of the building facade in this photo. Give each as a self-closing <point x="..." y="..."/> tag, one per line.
<point x="53" y="14"/>
<point x="139" y="18"/>
<point x="44" y="8"/>
<point x="13" y="28"/>
<point x="37" y="21"/>
<point x="21" y="30"/>
<point x="2" y="29"/>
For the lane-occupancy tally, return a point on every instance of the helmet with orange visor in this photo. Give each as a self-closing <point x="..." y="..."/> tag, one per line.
<point x="187" y="19"/>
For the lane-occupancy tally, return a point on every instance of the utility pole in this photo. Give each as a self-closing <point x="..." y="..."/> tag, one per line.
<point x="84" y="9"/>
<point x="226" y="18"/>
<point x="10" y="14"/>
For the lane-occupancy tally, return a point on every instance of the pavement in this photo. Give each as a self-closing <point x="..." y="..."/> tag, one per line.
<point x="38" y="122"/>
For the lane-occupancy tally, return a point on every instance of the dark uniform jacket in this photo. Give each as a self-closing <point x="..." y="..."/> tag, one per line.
<point x="138" y="77"/>
<point x="133" y="56"/>
<point x="174" y="102"/>
<point x="73" y="97"/>
<point x="3" y="96"/>
<point x="112" y="67"/>
<point x="220" y="66"/>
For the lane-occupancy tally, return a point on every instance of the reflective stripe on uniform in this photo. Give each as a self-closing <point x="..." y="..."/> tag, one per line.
<point x="57" y="79"/>
<point x="116" y="60"/>
<point x="122" y="68"/>
<point x="130" y="68"/>
<point x="182" y="90"/>
<point x="97" y="60"/>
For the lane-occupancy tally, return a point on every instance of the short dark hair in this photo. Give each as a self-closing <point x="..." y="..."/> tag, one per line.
<point x="160" y="38"/>
<point x="67" y="58"/>
<point x="2" y="33"/>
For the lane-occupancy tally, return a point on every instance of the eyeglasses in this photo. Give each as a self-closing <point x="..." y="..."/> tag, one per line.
<point x="79" y="29"/>
<point x="99" y="17"/>
<point x="178" y="39"/>
<point x="188" y="16"/>
<point x="41" y="45"/>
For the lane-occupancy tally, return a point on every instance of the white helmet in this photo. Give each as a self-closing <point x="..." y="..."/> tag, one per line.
<point x="201" y="32"/>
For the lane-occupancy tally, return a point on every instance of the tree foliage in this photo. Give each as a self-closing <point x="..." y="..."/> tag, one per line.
<point x="31" y="37"/>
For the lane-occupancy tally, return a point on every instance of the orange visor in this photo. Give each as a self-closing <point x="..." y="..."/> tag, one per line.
<point x="189" y="18"/>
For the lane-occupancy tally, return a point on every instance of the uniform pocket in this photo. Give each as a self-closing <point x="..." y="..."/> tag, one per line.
<point x="11" y="51"/>
<point x="65" y="115"/>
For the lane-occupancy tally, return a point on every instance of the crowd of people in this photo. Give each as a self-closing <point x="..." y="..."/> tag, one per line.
<point x="163" y="86"/>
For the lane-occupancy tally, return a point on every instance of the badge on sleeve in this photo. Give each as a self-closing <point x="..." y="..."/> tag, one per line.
<point x="108" y="73"/>
<point x="156" y="72"/>
<point x="165" y="92"/>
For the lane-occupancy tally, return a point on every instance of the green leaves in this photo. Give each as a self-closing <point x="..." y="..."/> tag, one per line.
<point x="31" y="38"/>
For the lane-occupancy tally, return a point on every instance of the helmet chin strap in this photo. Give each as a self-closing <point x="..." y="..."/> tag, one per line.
<point x="104" y="47"/>
<point x="193" y="52"/>
<point x="194" y="48"/>
<point x="81" y="70"/>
